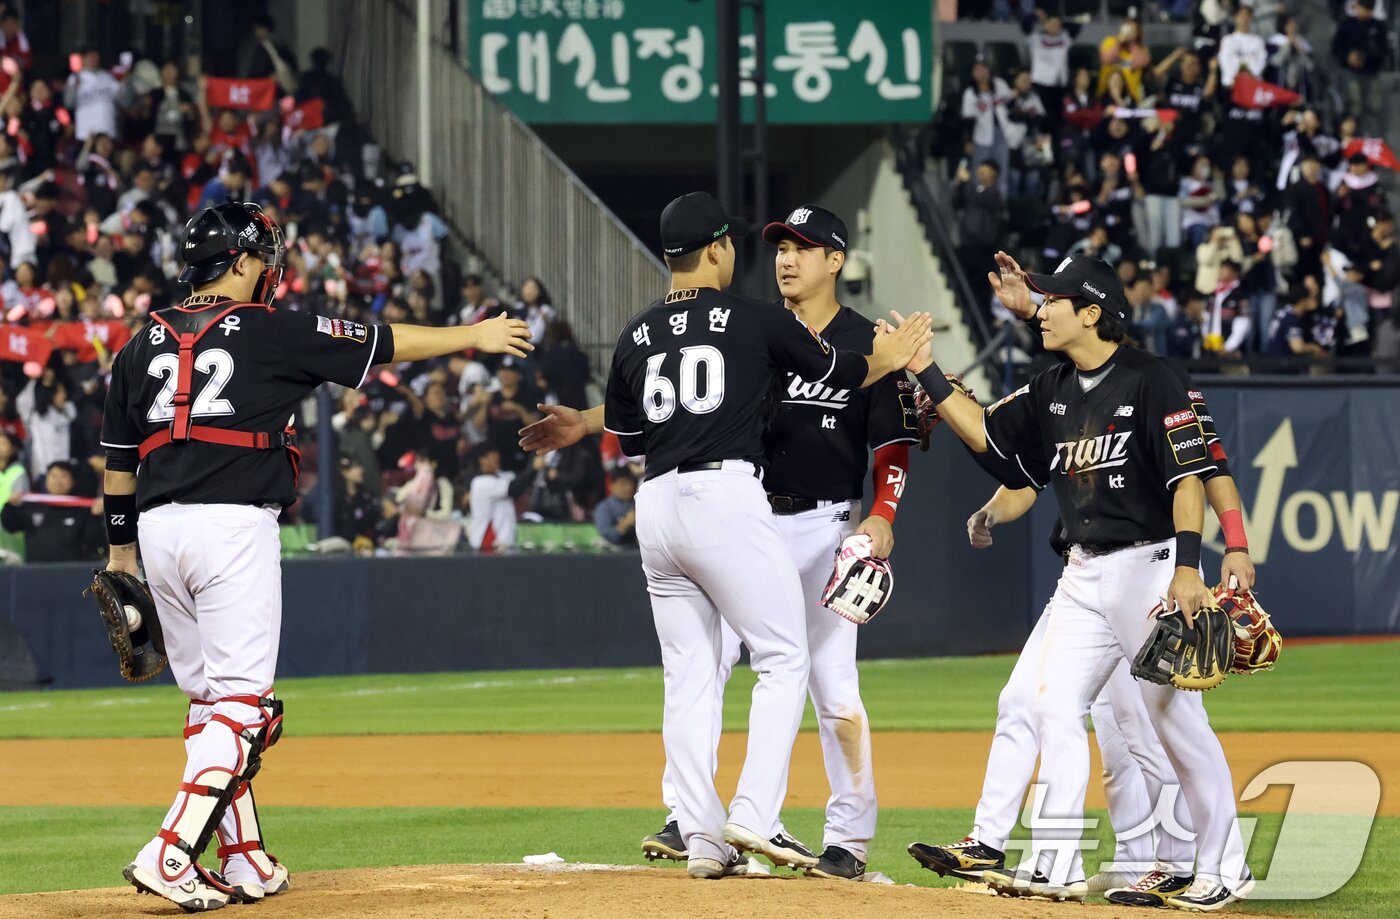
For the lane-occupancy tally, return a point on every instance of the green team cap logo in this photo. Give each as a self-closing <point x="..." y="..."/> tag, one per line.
<point x="721" y="231"/>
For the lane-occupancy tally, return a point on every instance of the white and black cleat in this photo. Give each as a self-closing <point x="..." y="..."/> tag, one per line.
<point x="204" y="891"/>
<point x="666" y="844"/>
<point x="782" y="850"/>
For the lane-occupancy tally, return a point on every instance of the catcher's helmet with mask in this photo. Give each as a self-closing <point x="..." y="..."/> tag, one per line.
<point x="215" y="238"/>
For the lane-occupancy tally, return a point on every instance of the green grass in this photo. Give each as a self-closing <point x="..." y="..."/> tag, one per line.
<point x="1314" y="688"/>
<point x="310" y="839"/>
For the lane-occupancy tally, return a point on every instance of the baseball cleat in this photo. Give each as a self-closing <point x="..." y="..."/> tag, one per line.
<point x="1153" y="889"/>
<point x="711" y="869"/>
<point x="665" y="844"/>
<point x="782" y="850"/>
<point x="255" y="888"/>
<point x="1207" y="896"/>
<point x="967" y="859"/>
<point x="1033" y="884"/>
<point x="205" y="890"/>
<point x="1105" y="881"/>
<point x="838" y="864"/>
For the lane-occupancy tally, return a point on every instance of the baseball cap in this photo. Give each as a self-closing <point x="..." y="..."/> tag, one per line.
<point x="810" y="224"/>
<point x="693" y="221"/>
<point x="1087" y="277"/>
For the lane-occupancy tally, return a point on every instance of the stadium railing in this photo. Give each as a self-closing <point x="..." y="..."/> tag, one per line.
<point x="522" y="209"/>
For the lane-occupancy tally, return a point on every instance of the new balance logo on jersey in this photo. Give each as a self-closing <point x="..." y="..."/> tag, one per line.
<point x="841" y="516"/>
<point x="803" y="393"/>
<point x="1161" y="555"/>
<point x="1124" y="411"/>
<point x="1102" y="452"/>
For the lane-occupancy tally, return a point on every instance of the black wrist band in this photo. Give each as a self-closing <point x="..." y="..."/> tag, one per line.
<point x="933" y="381"/>
<point x="1244" y="549"/>
<point x="119" y="512"/>
<point x="1188" y="549"/>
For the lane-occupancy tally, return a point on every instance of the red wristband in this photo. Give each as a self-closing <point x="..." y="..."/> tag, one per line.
<point x="1232" y="523"/>
<point x="888" y="476"/>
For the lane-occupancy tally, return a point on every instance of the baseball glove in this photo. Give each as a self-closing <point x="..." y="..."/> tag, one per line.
<point x="129" y="614"/>
<point x="860" y="584"/>
<point x="928" y="415"/>
<point x="1257" y="642"/>
<point x="1190" y="658"/>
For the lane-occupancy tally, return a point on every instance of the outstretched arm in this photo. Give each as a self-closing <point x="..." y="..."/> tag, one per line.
<point x="496" y="336"/>
<point x="560" y="427"/>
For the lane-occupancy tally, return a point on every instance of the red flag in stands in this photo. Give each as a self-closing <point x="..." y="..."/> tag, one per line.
<point x="23" y="345"/>
<point x="254" y="95"/>
<point x="1376" y="150"/>
<point x="1251" y="92"/>
<point x="308" y="116"/>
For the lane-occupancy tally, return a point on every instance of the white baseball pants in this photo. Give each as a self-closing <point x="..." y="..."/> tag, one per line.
<point x="1100" y="617"/>
<point x="711" y="552"/>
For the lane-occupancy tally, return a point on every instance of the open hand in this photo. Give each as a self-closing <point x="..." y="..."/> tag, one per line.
<point x="1009" y="284"/>
<point x="560" y="427"/>
<point x="503" y="335"/>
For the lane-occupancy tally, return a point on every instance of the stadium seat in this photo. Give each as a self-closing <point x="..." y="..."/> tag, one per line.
<point x="296" y="537"/>
<point x="1004" y="58"/>
<point x="1084" y="56"/>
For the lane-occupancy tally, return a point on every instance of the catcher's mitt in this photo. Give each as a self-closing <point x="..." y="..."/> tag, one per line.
<point x="1257" y="642"/>
<point x="860" y="584"/>
<point x="122" y="600"/>
<point x="928" y="415"/>
<point x="1191" y="658"/>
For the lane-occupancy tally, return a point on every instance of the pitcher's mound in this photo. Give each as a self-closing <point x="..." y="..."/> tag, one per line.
<point x="575" y="891"/>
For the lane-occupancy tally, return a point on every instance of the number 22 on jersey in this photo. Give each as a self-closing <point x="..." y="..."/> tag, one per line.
<point x="216" y="362"/>
<point x="702" y="367"/>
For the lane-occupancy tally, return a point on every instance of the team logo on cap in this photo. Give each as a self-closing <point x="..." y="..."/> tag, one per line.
<point x="799" y="216"/>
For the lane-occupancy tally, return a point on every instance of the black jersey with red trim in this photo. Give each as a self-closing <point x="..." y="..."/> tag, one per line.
<point x="821" y="437"/>
<point x="252" y="368"/>
<point x="1113" y="442"/>
<point x="692" y="373"/>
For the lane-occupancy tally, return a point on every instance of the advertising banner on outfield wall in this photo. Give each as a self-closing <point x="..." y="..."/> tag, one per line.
<point x="653" y="61"/>
<point x="1319" y="474"/>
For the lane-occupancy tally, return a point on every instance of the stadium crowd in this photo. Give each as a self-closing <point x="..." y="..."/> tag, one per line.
<point x="98" y="174"/>
<point x="1233" y="181"/>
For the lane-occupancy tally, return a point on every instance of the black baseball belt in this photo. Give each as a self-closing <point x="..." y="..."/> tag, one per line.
<point x="784" y="505"/>
<point x="714" y="466"/>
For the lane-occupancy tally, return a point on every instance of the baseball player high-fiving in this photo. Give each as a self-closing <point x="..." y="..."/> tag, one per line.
<point x="201" y="458"/>
<point x="1125" y="452"/>
<point x="688" y="387"/>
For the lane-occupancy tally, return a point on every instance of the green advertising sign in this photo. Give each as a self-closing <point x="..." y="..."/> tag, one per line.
<point x="653" y="61"/>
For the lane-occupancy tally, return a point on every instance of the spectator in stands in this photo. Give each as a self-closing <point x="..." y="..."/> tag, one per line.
<point x="261" y="57"/>
<point x="1288" y="331"/>
<point x="1228" y="322"/>
<point x="475" y="305"/>
<point x="1200" y="197"/>
<point x="91" y="95"/>
<point x="1098" y="244"/>
<point x="1309" y="215"/>
<point x="1243" y="194"/>
<point x="14" y="479"/>
<point x="1161" y="182"/>
<point x="14" y="222"/>
<point x="982" y="209"/>
<point x="984" y="103"/>
<point x="14" y="44"/>
<point x="551" y="499"/>
<point x="1031" y="149"/>
<point x="1184" y="333"/>
<point x="174" y="112"/>
<point x="233" y="181"/>
<point x="55" y="531"/>
<point x="1360" y="48"/>
<point x="1290" y="60"/>
<point x="357" y="506"/>
<point x="1358" y="199"/>
<point x="424" y="501"/>
<point x="493" y="494"/>
<point x="1189" y="96"/>
<point x="48" y="416"/>
<point x="1242" y="49"/>
<point x="1118" y="190"/>
<point x="1049" y="43"/>
<point x="417" y="231"/>
<point x="319" y="83"/>
<point x="563" y="366"/>
<point x="616" y="515"/>
<point x="1080" y="115"/>
<point x="1346" y="292"/>
<point x="509" y="408"/>
<point x="1124" y="53"/>
<point x="535" y="307"/>
<point x="1222" y="245"/>
<point x="366" y="219"/>
<point x="1149" y="321"/>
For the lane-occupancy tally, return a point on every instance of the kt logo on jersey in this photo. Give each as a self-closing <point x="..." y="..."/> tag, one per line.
<point x="1102" y="452"/>
<point x="801" y="392"/>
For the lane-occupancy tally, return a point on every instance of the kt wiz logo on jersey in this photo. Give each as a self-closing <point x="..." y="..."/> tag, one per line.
<point x="1102" y="452"/>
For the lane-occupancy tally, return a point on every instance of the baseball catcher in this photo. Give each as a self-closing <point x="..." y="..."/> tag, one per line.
<point x="132" y="625"/>
<point x="860" y="584"/>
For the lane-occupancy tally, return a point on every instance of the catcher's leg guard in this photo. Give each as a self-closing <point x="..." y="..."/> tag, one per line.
<point x="245" y="863"/>
<point x="214" y="775"/>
